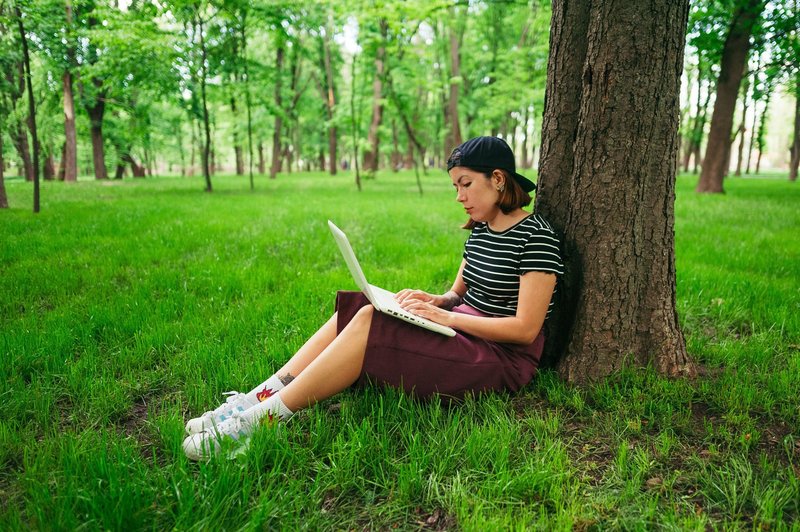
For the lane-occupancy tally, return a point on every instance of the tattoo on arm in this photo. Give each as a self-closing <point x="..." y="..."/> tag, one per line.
<point x="451" y="299"/>
<point x="286" y="379"/>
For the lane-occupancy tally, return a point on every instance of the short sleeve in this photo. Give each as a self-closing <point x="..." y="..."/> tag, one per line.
<point x="542" y="254"/>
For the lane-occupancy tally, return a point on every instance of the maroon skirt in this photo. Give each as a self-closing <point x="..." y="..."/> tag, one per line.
<point x="425" y="363"/>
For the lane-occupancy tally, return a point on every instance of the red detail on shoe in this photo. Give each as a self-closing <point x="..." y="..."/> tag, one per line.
<point x="265" y="394"/>
<point x="267" y="420"/>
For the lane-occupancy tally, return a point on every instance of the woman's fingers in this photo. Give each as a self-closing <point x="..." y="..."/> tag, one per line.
<point x="408" y="294"/>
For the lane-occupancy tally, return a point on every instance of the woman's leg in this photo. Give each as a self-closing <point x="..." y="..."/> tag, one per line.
<point x="310" y="351"/>
<point x="332" y="370"/>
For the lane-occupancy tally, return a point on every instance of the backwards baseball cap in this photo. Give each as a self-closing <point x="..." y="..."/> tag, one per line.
<point x="488" y="153"/>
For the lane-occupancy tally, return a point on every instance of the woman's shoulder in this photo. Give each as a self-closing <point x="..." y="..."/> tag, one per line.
<point x="537" y="224"/>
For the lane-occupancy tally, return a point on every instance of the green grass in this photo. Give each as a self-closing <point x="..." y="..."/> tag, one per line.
<point x="128" y="306"/>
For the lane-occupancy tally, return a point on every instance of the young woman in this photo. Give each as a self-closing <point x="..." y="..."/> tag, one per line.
<point x="498" y="303"/>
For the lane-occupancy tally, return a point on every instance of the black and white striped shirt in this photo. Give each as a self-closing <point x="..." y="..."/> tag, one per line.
<point x="496" y="260"/>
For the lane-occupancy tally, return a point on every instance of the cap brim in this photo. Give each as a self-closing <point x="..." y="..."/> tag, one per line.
<point x="526" y="184"/>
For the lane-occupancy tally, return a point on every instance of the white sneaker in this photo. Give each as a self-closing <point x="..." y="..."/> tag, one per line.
<point x="206" y="444"/>
<point x="236" y="402"/>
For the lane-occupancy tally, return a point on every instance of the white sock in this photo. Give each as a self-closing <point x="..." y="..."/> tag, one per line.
<point x="273" y="407"/>
<point x="265" y="390"/>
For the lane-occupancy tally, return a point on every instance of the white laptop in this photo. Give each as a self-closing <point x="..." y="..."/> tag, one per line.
<point x="382" y="300"/>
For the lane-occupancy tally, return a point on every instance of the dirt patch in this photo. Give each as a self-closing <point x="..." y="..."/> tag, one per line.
<point x="438" y="519"/>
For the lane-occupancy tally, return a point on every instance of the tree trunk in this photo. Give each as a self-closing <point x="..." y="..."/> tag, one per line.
<point x="181" y="148"/>
<point x="394" y="159"/>
<point x="31" y="108"/>
<point x="526" y="163"/>
<point x="275" y="167"/>
<point x="96" y="112"/>
<point x="261" y="166"/>
<point x="354" y="122"/>
<point x="237" y="146"/>
<point x="330" y="96"/>
<point x="794" y="160"/>
<point x="734" y="56"/>
<point x="742" y="130"/>
<point x="371" y="155"/>
<point x="3" y="196"/>
<point x="454" y="134"/>
<point x="762" y="125"/>
<point x="136" y="169"/>
<point x="70" y="159"/>
<point x="193" y="145"/>
<point x="614" y="72"/>
<point x="206" y="122"/>
<point x="24" y="151"/>
<point x="248" y="101"/>
<point x="49" y="168"/>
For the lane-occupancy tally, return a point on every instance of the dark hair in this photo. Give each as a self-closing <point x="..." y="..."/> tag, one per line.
<point x="511" y="198"/>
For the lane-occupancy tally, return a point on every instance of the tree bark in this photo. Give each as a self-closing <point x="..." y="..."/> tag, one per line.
<point x="371" y="155"/>
<point x="607" y="182"/>
<point x="734" y="56"/>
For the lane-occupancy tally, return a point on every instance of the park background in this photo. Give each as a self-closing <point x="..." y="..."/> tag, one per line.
<point x="130" y="304"/>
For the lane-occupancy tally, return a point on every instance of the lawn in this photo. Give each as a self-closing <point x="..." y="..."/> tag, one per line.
<point x="129" y="306"/>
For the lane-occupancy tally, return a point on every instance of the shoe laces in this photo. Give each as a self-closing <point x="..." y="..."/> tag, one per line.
<point x="235" y="427"/>
<point x="229" y="404"/>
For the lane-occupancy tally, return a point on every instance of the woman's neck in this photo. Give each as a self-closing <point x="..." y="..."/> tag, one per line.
<point x="502" y="221"/>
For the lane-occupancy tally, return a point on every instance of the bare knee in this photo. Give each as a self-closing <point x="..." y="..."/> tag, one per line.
<point x="362" y="318"/>
<point x="364" y="313"/>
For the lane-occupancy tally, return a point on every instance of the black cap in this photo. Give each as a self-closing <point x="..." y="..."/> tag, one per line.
<point x="488" y="153"/>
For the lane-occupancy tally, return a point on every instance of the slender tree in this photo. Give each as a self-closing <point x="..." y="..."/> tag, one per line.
<point x="794" y="151"/>
<point x="734" y="57"/>
<point x="613" y="72"/>
<point x="31" y="106"/>
<point x="372" y="154"/>
<point x="280" y="53"/>
<point x="207" y="163"/>
<point x="70" y="159"/>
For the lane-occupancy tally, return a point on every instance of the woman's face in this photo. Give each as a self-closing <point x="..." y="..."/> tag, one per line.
<point x="476" y="193"/>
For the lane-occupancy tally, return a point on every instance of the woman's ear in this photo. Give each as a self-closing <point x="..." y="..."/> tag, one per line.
<point x="498" y="179"/>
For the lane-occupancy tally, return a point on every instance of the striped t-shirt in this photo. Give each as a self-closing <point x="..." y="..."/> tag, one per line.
<point x="496" y="260"/>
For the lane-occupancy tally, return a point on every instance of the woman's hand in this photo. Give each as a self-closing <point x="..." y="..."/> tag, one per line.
<point x="409" y="295"/>
<point x="427" y="309"/>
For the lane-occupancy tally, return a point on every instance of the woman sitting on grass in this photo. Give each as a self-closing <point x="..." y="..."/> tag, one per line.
<point x="498" y="303"/>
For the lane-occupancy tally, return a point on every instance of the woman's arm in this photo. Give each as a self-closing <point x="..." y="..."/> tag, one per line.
<point x="446" y="301"/>
<point x="535" y="291"/>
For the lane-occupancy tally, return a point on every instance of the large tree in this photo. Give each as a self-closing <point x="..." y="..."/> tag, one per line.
<point x="607" y="183"/>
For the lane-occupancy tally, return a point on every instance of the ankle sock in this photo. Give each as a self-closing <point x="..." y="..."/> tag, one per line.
<point x="272" y="408"/>
<point x="265" y="390"/>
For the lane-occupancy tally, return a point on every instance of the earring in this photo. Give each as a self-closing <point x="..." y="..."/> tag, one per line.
<point x="501" y="188"/>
